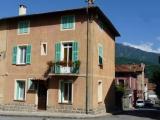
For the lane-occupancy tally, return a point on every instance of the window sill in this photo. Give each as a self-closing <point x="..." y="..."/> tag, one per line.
<point x="101" y="66"/>
<point x="31" y="91"/>
<point x="21" y="64"/>
<point x="19" y="100"/>
<point x="65" y="103"/>
<point x="23" y="33"/>
<point x="100" y="102"/>
<point x="67" y="29"/>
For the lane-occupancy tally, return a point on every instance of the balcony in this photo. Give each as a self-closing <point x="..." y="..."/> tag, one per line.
<point x="65" y="69"/>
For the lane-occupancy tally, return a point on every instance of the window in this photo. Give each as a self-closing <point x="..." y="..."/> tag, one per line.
<point x="67" y="22"/>
<point x="66" y="52"/>
<point x="31" y="84"/>
<point x="121" y="82"/>
<point x="101" y="25"/>
<point x="20" y="90"/>
<point x="21" y="54"/>
<point x="43" y="48"/>
<point x="100" y="91"/>
<point x="65" y="92"/>
<point x="100" y="54"/>
<point x="23" y="27"/>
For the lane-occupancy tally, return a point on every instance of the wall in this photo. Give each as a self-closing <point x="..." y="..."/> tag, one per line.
<point x="3" y="71"/>
<point x="107" y="73"/>
<point x="44" y="29"/>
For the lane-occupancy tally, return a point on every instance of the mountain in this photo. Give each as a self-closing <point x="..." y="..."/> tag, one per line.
<point x="137" y="55"/>
<point x="130" y="55"/>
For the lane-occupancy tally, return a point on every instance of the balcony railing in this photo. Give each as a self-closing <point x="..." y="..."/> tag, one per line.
<point x="61" y="69"/>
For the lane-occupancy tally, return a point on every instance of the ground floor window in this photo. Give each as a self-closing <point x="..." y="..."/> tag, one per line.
<point x="20" y="90"/>
<point x="100" y="91"/>
<point x="65" y="92"/>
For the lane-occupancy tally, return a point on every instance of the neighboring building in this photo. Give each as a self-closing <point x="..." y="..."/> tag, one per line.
<point x="151" y="93"/>
<point x="81" y="79"/>
<point x="132" y="78"/>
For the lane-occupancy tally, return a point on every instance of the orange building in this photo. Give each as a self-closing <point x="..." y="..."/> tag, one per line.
<point x="80" y="77"/>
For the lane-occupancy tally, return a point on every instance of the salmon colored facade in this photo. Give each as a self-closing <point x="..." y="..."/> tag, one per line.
<point x="90" y="90"/>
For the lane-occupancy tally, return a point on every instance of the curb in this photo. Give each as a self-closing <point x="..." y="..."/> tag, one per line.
<point x="58" y="115"/>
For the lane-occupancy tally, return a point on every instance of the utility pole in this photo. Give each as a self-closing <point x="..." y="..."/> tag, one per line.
<point x="89" y="4"/>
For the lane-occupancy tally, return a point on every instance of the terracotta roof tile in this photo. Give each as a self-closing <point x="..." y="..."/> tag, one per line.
<point x="129" y="68"/>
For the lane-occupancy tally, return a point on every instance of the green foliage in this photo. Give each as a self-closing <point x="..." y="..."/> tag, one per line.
<point x="120" y="89"/>
<point x="156" y="80"/>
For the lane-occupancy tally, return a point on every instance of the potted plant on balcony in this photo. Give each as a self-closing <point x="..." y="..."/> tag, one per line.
<point x="75" y="66"/>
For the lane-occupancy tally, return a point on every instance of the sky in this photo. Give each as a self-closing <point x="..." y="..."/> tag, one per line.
<point x="138" y="21"/>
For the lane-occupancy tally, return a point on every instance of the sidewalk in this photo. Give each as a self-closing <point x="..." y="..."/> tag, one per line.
<point x="44" y="114"/>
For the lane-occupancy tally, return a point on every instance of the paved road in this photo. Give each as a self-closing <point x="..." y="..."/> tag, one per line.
<point x="142" y="114"/>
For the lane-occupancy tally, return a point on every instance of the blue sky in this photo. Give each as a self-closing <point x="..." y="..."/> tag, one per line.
<point x="138" y="21"/>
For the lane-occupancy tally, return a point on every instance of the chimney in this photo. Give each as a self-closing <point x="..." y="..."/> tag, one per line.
<point x="22" y="10"/>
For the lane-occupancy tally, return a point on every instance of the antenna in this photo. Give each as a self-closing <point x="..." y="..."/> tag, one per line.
<point x="90" y="2"/>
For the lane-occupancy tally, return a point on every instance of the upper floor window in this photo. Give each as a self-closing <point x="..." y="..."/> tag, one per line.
<point x="67" y="22"/>
<point x="44" y="48"/>
<point x="21" y="54"/>
<point x="19" y="90"/>
<point x="100" y="54"/>
<point x="101" y="25"/>
<point x="66" y="53"/>
<point x="23" y="27"/>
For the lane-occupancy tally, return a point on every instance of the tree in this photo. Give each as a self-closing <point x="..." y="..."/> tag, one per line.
<point x="156" y="79"/>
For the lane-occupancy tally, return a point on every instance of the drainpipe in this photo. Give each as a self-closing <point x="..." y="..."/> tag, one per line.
<point x="89" y="4"/>
<point x="87" y="45"/>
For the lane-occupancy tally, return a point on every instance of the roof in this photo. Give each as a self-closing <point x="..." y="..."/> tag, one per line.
<point x="93" y="9"/>
<point x="151" y="86"/>
<point x="129" y="68"/>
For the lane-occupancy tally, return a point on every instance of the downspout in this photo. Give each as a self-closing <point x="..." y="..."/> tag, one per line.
<point x="87" y="45"/>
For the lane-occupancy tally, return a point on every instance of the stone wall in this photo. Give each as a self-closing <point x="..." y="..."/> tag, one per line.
<point x="18" y="107"/>
<point x="70" y="109"/>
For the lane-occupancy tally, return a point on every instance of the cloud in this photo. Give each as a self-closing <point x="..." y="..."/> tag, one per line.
<point x="158" y="38"/>
<point x="145" y="47"/>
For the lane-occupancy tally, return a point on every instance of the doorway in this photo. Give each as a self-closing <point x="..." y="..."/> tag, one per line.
<point x="42" y="95"/>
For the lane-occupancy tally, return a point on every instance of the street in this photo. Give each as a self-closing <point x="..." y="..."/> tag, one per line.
<point x="139" y="114"/>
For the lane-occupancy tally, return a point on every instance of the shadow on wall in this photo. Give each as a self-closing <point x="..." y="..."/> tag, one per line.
<point x="110" y="99"/>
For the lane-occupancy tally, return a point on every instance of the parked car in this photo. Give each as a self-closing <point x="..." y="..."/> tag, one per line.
<point x="140" y="103"/>
<point x="148" y="103"/>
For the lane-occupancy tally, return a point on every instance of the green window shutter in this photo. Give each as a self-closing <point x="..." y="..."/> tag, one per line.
<point x="14" y="55"/>
<point x="70" y="22"/>
<point x="74" y="51"/>
<point x="67" y="22"/>
<point x="64" y="22"/>
<point x="57" y="56"/>
<point x="100" y="54"/>
<point x="62" y="91"/>
<point x="20" y="27"/>
<point x="17" y="90"/>
<point x="28" y="54"/>
<point x="23" y="27"/>
<point x="57" y="52"/>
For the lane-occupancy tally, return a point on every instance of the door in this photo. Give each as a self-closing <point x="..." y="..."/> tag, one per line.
<point x="42" y="96"/>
